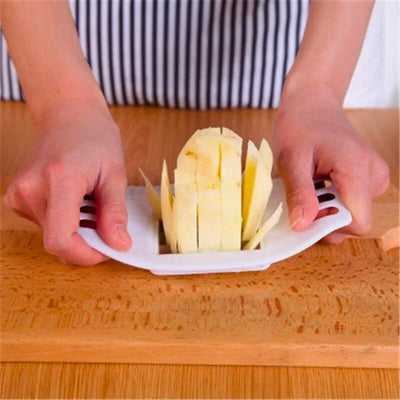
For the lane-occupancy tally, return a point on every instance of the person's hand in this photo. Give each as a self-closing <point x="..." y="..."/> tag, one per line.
<point x="313" y="139"/>
<point x="79" y="153"/>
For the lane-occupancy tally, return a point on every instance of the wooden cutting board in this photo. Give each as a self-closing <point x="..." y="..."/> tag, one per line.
<point x="328" y="306"/>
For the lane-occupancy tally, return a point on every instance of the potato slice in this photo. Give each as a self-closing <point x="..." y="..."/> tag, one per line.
<point x="266" y="154"/>
<point x="167" y="200"/>
<point x="186" y="193"/>
<point x="187" y="156"/>
<point x="208" y="191"/>
<point x="264" y="229"/>
<point x="215" y="207"/>
<point x="174" y="236"/>
<point x="257" y="186"/>
<point x="152" y="196"/>
<point x="226" y="132"/>
<point x="185" y="211"/>
<point x="231" y="190"/>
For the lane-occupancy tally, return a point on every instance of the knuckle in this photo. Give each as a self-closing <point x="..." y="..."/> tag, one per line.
<point x="9" y="199"/>
<point x="362" y="158"/>
<point x="54" y="170"/>
<point x="383" y="171"/>
<point x="344" y="174"/>
<point x="362" y="227"/>
<point x="385" y="185"/>
<point x="334" y="238"/>
<point x="295" y="160"/>
<point x="54" y="244"/>
<point x="380" y="177"/>
<point x="119" y="173"/>
<point x="23" y="187"/>
<point x="352" y="163"/>
<point x="116" y="210"/>
<point x="298" y="194"/>
<point x="285" y="157"/>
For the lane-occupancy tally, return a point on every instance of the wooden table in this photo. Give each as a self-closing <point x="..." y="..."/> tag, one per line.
<point x="114" y="331"/>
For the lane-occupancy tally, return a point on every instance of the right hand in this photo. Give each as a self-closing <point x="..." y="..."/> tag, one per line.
<point x="80" y="152"/>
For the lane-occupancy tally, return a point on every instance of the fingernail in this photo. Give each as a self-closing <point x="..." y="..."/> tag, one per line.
<point x="122" y="233"/>
<point x="296" y="216"/>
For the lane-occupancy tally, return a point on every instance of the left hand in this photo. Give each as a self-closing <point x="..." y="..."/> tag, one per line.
<point x="314" y="139"/>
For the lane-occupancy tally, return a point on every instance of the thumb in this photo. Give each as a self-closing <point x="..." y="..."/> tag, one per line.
<point x="112" y="216"/>
<point x="296" y="170"/>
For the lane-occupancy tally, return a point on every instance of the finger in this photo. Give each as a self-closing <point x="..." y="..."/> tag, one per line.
<point x="296" y="169"/>
<point x="380" y="176"/>
<point x="62" y="221"/>
<point x="381" y="188"/>
<point x="335" y="238"/>
<point x="112" y="216"/>
<point x="80" y="256"/>
<point x="355" y="193"/>
<point x="14" y="200"/>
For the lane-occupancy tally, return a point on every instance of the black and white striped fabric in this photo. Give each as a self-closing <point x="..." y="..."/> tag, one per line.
<point x="184" y="53"/>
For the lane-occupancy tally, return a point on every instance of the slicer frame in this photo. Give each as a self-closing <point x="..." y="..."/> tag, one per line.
<point x="280" y="243"/>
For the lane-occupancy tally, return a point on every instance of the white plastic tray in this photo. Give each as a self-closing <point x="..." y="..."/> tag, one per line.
<point x="280" y="243"/>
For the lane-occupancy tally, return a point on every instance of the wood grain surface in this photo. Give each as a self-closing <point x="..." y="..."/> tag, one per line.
<point x="128" y="381"/>
<point x="329" y="306"/>
<point x="324" y="307"/>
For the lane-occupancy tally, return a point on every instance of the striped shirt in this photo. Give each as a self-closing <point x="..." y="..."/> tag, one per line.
<point x="184" y="53"/>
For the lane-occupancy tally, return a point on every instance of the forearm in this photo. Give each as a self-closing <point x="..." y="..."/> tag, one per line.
<point x="331" y="46"/>
<point x="44" y="46"/>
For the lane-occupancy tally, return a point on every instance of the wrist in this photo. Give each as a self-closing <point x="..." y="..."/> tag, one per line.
<point x="297" y="85"/>
<point x="76" y="115"/>
<point x="304" y="103"/>
<point x="64" y="100"/>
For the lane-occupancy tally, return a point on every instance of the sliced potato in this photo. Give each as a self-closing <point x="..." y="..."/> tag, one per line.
<point x="264" y="229"/>
<point x="248" y="179"/>
<point x="208" y="191"/>
<point x="226" y="132"/>
<point x="185" y="174"/>
<point x="173" y="234"/>
<point x="215" y="206"/>
<point x="257" y="187"/>
<point x="187" y="156"/>
<point x="185" y="212"/>
<point x="152" y="196"/>
<point x="167" y="201"/>
<point x="231" y="190"/>
<point x="266" y="154"/>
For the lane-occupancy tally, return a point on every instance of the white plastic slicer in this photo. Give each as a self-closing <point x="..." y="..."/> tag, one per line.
<point x="280" y="243"/>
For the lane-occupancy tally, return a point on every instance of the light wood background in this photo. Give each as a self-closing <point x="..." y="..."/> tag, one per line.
<point x="327" y="306"/>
